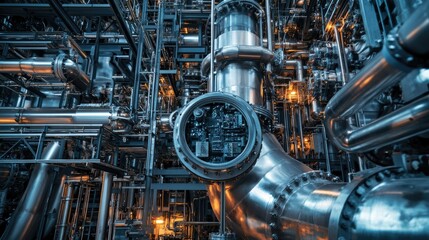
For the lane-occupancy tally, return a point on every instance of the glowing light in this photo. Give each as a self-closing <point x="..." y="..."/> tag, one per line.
<point x="159" y="221"/>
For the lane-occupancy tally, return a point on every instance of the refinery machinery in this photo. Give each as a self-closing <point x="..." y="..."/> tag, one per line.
<point x="197" y="119"/>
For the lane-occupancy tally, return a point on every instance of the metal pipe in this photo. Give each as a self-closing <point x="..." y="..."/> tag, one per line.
<point x="341" y="55"/>
<point x="26" y="219"/>
<point x="54" y="205"/>
<point x="269" y="32"/>
<point x="238" y="52"/>
<point x="257" y="190"/>
<point x="80" y="115"/>
<point x="62" y="227"/>
<point x="289" y="201"/>
<point x="134" y="101"/>
<point x="55" y="116"/>
<point x="212" y="41"/>
<point x="103" y="210"/>
<point x="190" y="40"/>
<point x="326" y="150"/>
<point x="222" y="213"/>
<point x="301" y="132"/>
<point x="60" y="67"/>
<point x="297" y="64"/>
<point x="408" y="121"/>
<point x="150" y="155"/>
<point x="382" y="72"/>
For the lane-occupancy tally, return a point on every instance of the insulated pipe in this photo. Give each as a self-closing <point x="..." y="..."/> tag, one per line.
<point x="103" y="210"/>
<point x="26" y="219"/>
<point x="385" y="70"/>
<point x="60" y="67"/>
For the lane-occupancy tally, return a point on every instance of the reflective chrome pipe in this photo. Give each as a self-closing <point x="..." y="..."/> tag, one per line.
<point x="297" y="64"/>
<point x="281" y="198"/>
<point x="26" y="219"/>
<point x="385" y="69"/>
<point x="103" y="210"/>
<point x="81" y="115"/>
<point x="62" y="227"/>
<point x="60" y="67"/>
<point x="238" y="51"/>
<point x="287" y="199"/>
<point x="54" y="205"/>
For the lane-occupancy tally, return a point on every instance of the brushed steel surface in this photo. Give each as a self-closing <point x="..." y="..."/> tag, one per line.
<point x="241" y="79"/>
<point x="238" y="37"/>
<point x="250" y="198"/>
<point x="398" y="209"/>
<point x="26" y="219"/>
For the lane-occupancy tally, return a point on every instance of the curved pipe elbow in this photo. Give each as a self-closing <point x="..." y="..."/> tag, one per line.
<point x="408" y="121"/>
<point x="238" y="52"/>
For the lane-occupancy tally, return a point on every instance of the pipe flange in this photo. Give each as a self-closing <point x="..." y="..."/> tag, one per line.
<point x="341" y="219"/>
<point x="292" y="187"/>
<point x="401" y="55"/>
<point x="217" y="136"/>
<point x="58" y="67"/>
<point x="248" y="6"/>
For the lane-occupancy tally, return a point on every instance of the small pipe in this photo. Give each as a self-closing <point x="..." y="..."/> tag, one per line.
<point x="269" y="32"/>
<point x="62" y="227"/>
<point x="222" y="221"/>
<point x="103" y="210"/>
<point x="326" y="150"/>
<point x="301" y="132"/>
<point x="212" y="40"/>
<point x="297" y="64"/>
<point x="341" y="55"/>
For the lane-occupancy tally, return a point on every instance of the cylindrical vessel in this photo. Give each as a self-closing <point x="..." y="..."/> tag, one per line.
<point x="238" y="25"/>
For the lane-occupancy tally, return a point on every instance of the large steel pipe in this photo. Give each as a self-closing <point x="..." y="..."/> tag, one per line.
<point x="281" y="198"/>
<point x="81" y="115"/>
<point x="287" y="199"/>
<point x="385" y="70"/>
<point x="26" y="220"/>
<point x="238" y="51"/>
<point x="60" y="67"/>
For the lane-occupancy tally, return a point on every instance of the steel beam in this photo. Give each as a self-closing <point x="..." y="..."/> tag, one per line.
<point x="65" y="17"/>
<point x="114" y="4"/>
